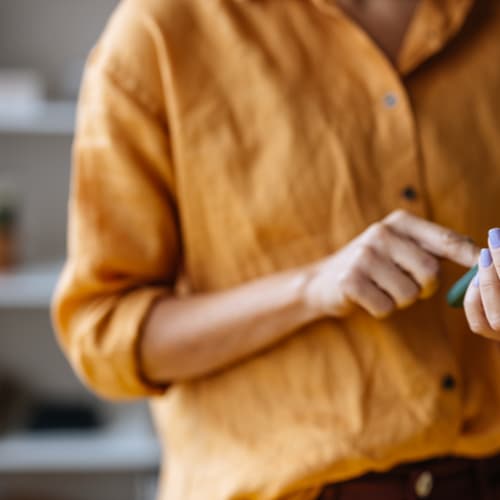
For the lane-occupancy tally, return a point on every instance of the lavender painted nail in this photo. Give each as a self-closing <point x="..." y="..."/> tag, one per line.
<point x="475" y="281"/>
<point x="485" y="258"/>
<point x="494" y="237"/>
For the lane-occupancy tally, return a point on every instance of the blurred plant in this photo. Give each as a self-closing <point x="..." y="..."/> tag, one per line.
<point x="7" y="217"/>
<point x="8" y="225"/>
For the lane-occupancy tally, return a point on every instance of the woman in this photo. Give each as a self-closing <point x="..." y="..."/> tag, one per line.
<point x="266" y="195"/>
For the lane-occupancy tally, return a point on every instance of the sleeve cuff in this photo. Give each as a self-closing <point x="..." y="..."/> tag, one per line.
<point x="105" y="352"/>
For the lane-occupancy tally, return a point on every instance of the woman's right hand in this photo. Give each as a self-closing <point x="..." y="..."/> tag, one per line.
<point x="389" y="266"/>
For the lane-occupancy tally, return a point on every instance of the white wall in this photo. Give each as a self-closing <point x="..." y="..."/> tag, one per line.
<point x="49" y="34"/>
<point x="52" y="36"/>
<point x="46" y="35"/>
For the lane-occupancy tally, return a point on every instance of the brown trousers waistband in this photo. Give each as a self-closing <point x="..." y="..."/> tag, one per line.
<point x="439" y="479"/>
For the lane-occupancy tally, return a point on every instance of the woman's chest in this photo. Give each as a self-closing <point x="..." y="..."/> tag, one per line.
<point x="286" y="154"/>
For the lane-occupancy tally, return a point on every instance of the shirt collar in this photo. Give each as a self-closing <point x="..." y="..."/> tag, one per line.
<point x="435" y="22"/>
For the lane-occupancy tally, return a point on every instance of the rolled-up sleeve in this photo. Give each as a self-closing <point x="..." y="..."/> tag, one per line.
<point x="123" y="243"/>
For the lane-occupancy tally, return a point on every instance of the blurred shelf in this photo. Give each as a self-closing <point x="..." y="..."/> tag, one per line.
<point x="127" y="444"/>
<point x="46" y="118"/>
<point x="29" y="286"/>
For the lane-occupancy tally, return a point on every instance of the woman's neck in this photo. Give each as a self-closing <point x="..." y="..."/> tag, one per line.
<point x="386" y="21"/>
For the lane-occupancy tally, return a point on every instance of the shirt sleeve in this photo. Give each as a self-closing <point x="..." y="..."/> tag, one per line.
<point x="123" y="243"/>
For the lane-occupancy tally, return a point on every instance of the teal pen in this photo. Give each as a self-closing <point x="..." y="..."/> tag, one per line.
<point x="456" y="294"/>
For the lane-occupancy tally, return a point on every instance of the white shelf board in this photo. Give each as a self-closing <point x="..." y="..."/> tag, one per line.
<point x="29" y="286"/>
<point x="125" y="445"/>
<point x="46" y="118"/>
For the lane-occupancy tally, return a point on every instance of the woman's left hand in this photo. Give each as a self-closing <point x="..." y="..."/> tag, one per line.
<point x="482" y="301"/>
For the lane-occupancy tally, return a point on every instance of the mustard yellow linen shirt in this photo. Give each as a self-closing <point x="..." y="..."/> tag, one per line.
<point x="225" y="140"/>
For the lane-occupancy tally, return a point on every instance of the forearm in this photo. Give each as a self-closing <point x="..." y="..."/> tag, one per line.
<point x="387" y="267"/>
<point x="194" y="336"/>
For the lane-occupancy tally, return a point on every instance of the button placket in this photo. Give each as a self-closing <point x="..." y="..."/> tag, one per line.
<point x="403" y="176"/>
<point x="396" y="152"/>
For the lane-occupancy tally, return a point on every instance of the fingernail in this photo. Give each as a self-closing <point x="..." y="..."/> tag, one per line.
<point x="494" y="236"/>
<point x="475" y="281"/>
<point x="485" y="258"/>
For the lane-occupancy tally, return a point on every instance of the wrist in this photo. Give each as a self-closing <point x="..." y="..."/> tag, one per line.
<point x="306" y="278"/>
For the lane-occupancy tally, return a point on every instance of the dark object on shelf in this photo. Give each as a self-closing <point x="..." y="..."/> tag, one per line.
<point x="7" y="398"/>
<point x="52" y="416"/>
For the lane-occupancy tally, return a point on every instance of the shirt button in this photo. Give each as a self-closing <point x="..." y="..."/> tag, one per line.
<point x="448" y="383"/>
<point x="390" y="100"/>
<point x="409" y="193"/>
<point x="424" y="484"/>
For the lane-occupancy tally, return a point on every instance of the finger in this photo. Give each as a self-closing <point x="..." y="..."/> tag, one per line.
<point x="362" y="291"/>
<point x="474" y="311"/>
<point x="438" y="240"/>
<point x="422" y="266"/>
<point x="391" y="279"/>
<point x="494" y="244"/>
<point x="489" y="287"/>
